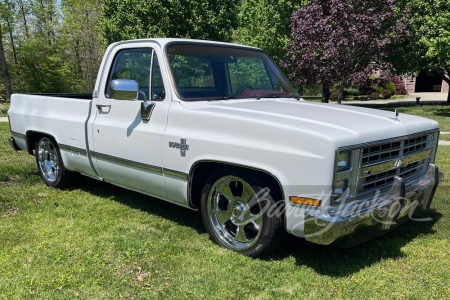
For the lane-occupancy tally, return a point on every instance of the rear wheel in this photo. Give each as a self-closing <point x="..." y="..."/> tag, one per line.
<point x="240" y="213"/>
<point x="50" y="164"/>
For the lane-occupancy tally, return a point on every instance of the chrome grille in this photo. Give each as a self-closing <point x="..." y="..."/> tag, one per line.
<point x="380" y="163"/>
<point x="387" y="151"/>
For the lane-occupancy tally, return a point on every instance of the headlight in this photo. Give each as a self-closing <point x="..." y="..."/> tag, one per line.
<point x="340" y="187"/>
<point x="343" y="162"/>
<point x="346" y="176"/>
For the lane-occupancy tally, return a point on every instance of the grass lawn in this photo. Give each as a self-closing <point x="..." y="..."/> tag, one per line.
<point x="444" y="137"/>
<point x="4" y="109"/>
<point x="440" y="113"/>
<point x="312" y="98"/>
<point x="100" y="241"/>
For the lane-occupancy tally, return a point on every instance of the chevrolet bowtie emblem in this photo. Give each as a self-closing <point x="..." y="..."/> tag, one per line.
<point x="182" y="146"/>
<point x="403" y="162"/>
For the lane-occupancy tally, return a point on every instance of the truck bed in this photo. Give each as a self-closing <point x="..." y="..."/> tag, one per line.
<point x="81" y="96"/>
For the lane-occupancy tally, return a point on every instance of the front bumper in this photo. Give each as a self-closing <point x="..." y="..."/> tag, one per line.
<point x="364" y="220"/>
<point x="13" y="144"/>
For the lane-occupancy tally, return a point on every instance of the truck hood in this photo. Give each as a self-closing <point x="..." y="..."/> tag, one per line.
<point x="345" y="124"/>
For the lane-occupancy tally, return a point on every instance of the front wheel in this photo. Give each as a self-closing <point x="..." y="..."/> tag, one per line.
<point x="240" y="214"/>
<point x="50" y="164"/>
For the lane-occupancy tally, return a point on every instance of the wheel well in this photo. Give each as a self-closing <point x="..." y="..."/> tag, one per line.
<point x="32" y="137"/>
<point x="201" y="171"/>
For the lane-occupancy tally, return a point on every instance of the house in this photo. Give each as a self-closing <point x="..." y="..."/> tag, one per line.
<point x="425" y="83"/>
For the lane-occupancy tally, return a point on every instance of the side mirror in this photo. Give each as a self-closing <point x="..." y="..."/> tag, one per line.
<point x="124" y="89"/>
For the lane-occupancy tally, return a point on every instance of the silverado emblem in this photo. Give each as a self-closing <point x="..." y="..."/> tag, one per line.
<point x="403" y="162"/>
<point x="182" y="146"/>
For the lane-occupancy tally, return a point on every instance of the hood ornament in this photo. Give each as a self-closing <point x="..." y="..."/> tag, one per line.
<point x="397" y="113"/>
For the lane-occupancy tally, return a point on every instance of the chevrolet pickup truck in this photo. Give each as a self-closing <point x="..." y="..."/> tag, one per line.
<point x="217" y="127"/>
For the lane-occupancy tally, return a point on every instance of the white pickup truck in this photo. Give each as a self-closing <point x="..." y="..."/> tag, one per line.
<point x="218" y="127"/>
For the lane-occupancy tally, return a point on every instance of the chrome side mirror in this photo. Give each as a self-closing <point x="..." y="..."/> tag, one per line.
<point x="124" y="89"/>
<point x="146" y="110"/>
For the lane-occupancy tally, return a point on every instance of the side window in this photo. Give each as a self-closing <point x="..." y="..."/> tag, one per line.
<point x="132" y="64"/>
<point x="158" y="91"/>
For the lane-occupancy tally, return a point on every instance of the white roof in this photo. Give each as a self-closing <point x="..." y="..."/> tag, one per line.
<point x="163" y="41"/>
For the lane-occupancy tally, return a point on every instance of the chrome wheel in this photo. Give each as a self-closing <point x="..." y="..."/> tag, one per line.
<point x="47" y="157"/>
<point x="235" y="212"/>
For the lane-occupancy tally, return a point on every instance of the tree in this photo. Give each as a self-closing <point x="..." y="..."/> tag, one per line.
<point x="428" y="48"/>
<point x="265" y="24"/>
<point x="132" y="19"/>
<point x="4" y="68"/>
<point x="339" y="42"/>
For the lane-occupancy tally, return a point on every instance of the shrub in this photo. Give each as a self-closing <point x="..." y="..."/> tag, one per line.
<point x="334" y="90"/>
<point x="353" y="91"/>
<point x="334" y="96"/>
<point x="391" y="87"/>
<point x="387" y="94"/>
<point x="374" y="95"/>
<point x="398" y="96"/>
<point x="345" y="94"/>
<point x="399" y="86"/>
<point x="376" y="89"/>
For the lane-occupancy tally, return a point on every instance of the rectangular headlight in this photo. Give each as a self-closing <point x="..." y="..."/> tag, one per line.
<point x="340" y="187"/>
<point x="343" y="162"/>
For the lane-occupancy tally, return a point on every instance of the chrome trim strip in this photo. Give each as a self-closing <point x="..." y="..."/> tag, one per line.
<point x="127" y="162"/>
<point x="64" y="147"/>
<point x="69" y="148"/>
<point x="175" y="174"/>
<point x="18" y="134"/>
<point x="391" y="140"/>
<point x="392" y="164"/>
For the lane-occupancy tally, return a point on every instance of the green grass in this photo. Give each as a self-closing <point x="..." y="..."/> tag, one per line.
<point x="444" y="137"/>
<point x="312" y="98"/>
<point x="4" y="109"/>
<point x="98" y="241"/>
<point x="440" y="113"/>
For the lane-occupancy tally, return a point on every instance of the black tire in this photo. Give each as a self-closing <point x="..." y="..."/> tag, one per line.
<point x="47" y="161"/>
<point x="264" y="235"/>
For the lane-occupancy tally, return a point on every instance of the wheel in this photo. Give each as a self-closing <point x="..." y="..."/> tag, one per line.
<point x="50" y="164"/>
<point x="240" y="214"/>
<point x="240" y="90"/>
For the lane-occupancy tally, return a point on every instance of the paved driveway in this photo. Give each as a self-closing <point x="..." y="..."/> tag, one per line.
<point x="424" y="97"/>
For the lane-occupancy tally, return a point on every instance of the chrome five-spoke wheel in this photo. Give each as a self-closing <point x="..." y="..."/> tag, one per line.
<point x="235" y="212"/>
<point x="48" y="160"/>
<point x="50" y="163"/>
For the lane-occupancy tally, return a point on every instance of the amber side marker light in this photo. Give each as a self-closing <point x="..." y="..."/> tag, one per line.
<point x="305" y="201"/>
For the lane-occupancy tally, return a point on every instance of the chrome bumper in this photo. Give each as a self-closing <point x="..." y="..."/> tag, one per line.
<point x="364" y="220"/>
<point x="13" y="144"/>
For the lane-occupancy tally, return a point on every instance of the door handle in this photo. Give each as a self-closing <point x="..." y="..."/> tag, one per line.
<point x="100" y="106"/>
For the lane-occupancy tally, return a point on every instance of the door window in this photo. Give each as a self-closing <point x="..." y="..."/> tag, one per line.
<point x="132" y="64"/>
<point x="158" y="91"/>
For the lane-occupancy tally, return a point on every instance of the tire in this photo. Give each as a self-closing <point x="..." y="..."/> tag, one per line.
<point x="50" y="164"/>
<point x="240" y="214"/>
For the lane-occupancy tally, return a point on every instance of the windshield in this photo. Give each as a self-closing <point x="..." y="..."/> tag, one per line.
<point x="203" y="72"/>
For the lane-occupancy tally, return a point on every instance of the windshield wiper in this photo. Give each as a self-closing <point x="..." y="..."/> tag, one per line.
<point x="224" y="97"/>
<point x="278" y="96"/>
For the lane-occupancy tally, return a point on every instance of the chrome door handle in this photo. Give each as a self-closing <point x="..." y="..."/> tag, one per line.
<point x="100" y="106"/>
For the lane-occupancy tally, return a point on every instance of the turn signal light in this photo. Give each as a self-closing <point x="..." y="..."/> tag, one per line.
<point x="305" y="201"/>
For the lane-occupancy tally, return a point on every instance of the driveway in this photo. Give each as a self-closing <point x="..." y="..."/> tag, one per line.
<point x="411" y="99"/>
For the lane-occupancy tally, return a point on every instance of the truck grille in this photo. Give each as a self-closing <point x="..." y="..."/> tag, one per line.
<point x="380" y="163"/>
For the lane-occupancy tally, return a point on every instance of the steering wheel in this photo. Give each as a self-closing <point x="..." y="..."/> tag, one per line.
<point x="243" y="88"/>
